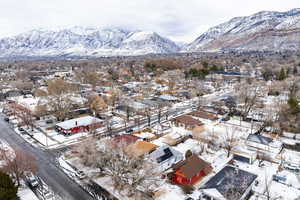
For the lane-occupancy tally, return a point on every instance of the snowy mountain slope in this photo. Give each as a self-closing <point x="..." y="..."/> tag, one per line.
<point x="262" y="31"/>
<point x="81" y="41"/>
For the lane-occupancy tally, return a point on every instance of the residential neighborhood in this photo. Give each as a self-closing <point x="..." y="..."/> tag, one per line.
<point x="149" y="100"/>
<point x="159" y="136"/>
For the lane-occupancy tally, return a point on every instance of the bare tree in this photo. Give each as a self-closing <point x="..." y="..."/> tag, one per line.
<point x="132" y="174"/>
<point x="230" y="139"/>
<point x="96" y="104"/>
<point x="248" y="96"/>
<point x="60" y="106"/>
<point x="18" y="164"/>
<point x="93" y="128"/>
<point x="86" y="151"/>
<point x="59" y="97"/>
<point x="27" y="117"/>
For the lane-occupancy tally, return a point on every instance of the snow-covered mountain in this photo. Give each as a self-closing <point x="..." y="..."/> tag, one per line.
<point x="272" y="31"/>
<point x="265" y="30"/>
<point x="85" y="41"/>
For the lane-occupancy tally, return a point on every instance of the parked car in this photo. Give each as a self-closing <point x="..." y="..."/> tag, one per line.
<point x="6" y="119"/>
<point x="49" y="121"/>
<point x="32" y="181"/>
<point x="189" y="198"/>
<point x="30" y="134"/>
<point x="279" y="179"/>
<point x="292" y="167"/>
<point x="129" y="130"/>
<point x="80" y="174"/>
<point x="48" y="195"/>
<point x="22" y="131"/>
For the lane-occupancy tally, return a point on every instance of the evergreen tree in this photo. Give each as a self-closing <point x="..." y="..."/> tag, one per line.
<point x="8" y="190"/>
<point x="295" y="70"/>
<point x="294" y="105"/>
<point x="188" y="154"/>
<point x="282" y="75"/>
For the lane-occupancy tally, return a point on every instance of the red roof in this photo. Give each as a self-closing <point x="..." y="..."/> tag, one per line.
<point x="125" y="139"/>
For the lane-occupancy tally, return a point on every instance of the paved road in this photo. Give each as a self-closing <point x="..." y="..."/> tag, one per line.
<point x="53" y="176"/>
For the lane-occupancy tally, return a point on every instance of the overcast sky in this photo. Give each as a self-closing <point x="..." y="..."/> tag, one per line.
<point x="180" y="20"/>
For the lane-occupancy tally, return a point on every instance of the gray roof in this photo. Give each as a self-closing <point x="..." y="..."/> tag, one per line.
<point x="164" y="153"/>
<point x="259" y="139"/>
<point x="231" y="182"/>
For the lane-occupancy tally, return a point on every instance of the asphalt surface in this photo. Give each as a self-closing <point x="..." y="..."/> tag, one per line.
<point x="59" y="182"/>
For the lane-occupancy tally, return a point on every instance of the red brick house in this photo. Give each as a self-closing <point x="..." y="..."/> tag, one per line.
<point x="187" y="122"/>
<point x="78" y="125"/>
<point x="124" y="140"/>
<point x="190" y="171"/>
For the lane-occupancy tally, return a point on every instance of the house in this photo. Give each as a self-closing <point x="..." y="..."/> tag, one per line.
<point x="165" y="157"/>
<point x="187" y="122"/>
<point x="230" y="183"/>
<point x="173" y="139"/>
<point x="140" y="148"/>
<point x="263" y="144"/>
<point x="244" y="155"/>
<point x="78" y="124"/>
<point x="168" y="98"/>
<point x="125" y="140"/>
<point x="190" y="170"/>
<point x="204" y="115"/>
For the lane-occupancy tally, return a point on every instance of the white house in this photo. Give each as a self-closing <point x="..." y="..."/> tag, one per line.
<point x="165" y="157"/>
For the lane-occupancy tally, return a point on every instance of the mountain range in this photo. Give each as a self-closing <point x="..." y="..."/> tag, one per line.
<point x="266" y="30"/>
<point x="271" y="31"/>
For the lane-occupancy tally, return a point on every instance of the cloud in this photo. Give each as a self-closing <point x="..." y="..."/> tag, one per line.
<point x="179" y="20"/>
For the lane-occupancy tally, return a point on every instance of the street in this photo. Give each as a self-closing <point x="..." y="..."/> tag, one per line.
<point x="59" y="182"/>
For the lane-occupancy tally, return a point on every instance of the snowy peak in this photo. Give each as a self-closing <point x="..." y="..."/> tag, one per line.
<point x="85" y="41"/>
<point x="266" y="30"/>
<point x="147" y="41"/>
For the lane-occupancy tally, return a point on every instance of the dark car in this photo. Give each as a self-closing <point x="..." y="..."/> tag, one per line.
<point x="6" y="119"/>
<point x="189" y="198"/>
<point x="49" y="121"/>
<point x="129" y="130"/>
<point x="280" y="179"/>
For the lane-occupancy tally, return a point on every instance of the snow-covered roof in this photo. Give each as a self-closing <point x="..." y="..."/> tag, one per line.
<point x="168" y="97"/>
<point x="28" y="102"/>
<point x="259" y="139"/>
<point x="227" y="179"/>
<point x="77" y="122"/>
<point x="164" y="153"/>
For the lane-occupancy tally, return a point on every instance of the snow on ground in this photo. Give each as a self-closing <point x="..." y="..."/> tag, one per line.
<point x="107" y="183"/>
<point x="26" y="194"/>
<point x="278" y="190"/>
<point x="292" y="179"/>
<point x="66" y="167"/>
<point x="145" y="135"/>
<point x="189" y="144"/>
<point x="170" y="192"/>
<point x="42" y="138"/>
<point x="264" y="173"/>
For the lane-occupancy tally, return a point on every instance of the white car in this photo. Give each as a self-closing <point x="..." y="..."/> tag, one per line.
<point x="48" y="196"/>
<point x="292" y="167"/>
<point x="80" y="174"/>
<point x="32" y="181"/>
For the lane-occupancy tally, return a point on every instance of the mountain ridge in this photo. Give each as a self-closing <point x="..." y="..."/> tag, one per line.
<point x="79" y="41"/>
<point x="225" y="35"/>
<point x="262" y="31"/>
